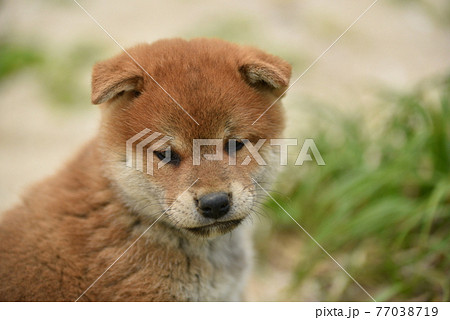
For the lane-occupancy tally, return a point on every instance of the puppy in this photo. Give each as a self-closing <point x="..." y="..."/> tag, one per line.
<point x="164" y="228"/>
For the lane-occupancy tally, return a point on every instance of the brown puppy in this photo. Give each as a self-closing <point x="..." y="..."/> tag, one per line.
<point x="71" y="227"/>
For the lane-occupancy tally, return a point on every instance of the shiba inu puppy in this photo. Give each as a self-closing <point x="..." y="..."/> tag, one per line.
<point x="178" y="234"/>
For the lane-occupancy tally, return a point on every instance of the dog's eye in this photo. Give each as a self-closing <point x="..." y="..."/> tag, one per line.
<point x="174" y="157"/>
<point x="160" y="154"/>
<point x="229" y="146"/>
<point x="239" y="145"/>
<point x="136" y="93"/>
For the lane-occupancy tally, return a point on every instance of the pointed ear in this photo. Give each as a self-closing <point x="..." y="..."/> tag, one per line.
<point x="113" y="76"/>
<point x="267" y="72"/>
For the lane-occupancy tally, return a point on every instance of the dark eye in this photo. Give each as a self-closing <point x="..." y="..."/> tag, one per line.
<point x="160" y="155"/>
<point x="239" y="145"/>
<point x="229" y="146"/>
<point x="174" y="157"/>
<point x="136" y="93"/>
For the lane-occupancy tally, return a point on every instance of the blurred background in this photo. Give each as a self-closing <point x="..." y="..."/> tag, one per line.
<point x="376" y="105"/>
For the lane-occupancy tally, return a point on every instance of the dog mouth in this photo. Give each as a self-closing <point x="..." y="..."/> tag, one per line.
<point x="216" y="227"/>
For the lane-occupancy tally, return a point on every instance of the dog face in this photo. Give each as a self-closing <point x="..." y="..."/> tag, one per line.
<point x="190" y="90"/>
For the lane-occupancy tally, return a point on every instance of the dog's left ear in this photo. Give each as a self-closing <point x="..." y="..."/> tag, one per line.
<point x="114" y="76"/>
<point x="267" y="72"/>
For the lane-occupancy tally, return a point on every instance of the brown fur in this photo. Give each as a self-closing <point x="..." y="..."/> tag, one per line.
<point x="72" y="226"/>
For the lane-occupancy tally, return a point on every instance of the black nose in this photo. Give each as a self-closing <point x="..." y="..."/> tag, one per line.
<point x="214" y="205"/>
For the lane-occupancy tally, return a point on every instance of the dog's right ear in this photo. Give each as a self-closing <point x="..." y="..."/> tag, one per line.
<point x="114" y="76"/>
<point x="266" y="71"/>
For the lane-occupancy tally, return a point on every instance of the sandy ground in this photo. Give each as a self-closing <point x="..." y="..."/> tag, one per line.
<point x="391" y="46"/>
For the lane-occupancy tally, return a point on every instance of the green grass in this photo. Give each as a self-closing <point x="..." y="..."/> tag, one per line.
<point x="64" y="76"/>
<point x="15" y="58"/>
<point x="381" y="205"/>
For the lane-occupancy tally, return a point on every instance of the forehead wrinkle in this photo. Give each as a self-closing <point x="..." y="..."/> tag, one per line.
<point x="183" y="138"/>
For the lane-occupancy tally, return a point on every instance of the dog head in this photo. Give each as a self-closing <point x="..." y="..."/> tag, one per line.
<point x="161" y="106"/>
